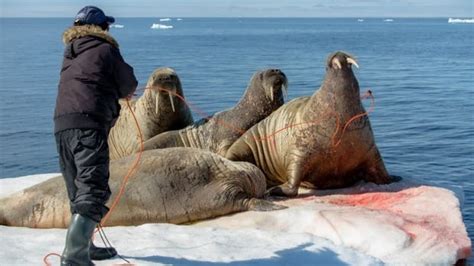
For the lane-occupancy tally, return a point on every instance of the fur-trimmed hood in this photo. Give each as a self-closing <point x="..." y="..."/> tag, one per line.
<point x="75" y="32"/>
<point x="93" y="77"/>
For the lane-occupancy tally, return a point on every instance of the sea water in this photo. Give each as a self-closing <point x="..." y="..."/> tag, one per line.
<point x="421" y="72"/>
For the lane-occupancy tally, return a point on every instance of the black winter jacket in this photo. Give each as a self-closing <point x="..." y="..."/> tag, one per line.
<point x="93" y="77"/>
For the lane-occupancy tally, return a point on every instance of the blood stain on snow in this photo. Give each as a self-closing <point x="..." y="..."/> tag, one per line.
<point x="376" y="200"/>
<point x="435" y="226"/>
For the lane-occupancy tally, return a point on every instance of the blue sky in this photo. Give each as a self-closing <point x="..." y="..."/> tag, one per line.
<point x="245" y="8"/>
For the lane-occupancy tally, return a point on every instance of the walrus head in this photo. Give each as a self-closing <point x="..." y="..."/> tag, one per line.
<point x="275" y="84"/>
<point x="164" y="84"/>
<point x="338" y="60"/>
<point x="339" y="76"/>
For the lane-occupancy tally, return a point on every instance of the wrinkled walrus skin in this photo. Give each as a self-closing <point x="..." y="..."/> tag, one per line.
<point x="298" y="142"/>
<point x="217" y="133"/>
<point x="175" y="185"/>
<point x="156" y="110"/>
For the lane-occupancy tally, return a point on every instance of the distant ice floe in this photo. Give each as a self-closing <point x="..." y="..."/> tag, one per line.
<point x="179" y="19"/>
<point x="160" y="26"/>
<point x="460" y="20"/>
<point x="118" y="26"/>
<point x="388" y="20"/>
<point x="165" y="19"/>
<point x="360" y="20"/>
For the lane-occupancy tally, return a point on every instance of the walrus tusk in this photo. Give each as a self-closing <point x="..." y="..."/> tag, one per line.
<point x="171" y="101"/>
<point x="285" y="92"/>
<point x="271" y="93"/>
<point x="336" y="64"/>
<point x="157" y="102"/>
<point x="351" y="60"/>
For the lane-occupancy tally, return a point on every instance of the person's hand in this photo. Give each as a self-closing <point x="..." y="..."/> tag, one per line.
<point x="130" y="96"/>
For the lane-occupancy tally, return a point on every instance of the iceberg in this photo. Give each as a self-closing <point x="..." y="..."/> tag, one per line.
<point x="118" y="26"/>
<point x="388" y="20"/>
<point x="367" y="224"/>
<point x="165" y="19"/>
<point x="360" y="20"/>
<point x="459" y="20"/>
<point x="160" y="26"/>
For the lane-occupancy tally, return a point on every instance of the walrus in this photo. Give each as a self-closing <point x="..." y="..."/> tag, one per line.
<point x="265" y="93"/>
<point x="174" y="185"/>
<point x="159" y="109"/>
<point x="303" y="141"/>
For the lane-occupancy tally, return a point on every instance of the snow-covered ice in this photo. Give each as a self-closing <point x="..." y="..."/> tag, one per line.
<point x="404" y="222"/>
<point x="399" y="223"/>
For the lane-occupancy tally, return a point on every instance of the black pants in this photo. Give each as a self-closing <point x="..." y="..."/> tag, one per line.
<point x="84" y="162"/>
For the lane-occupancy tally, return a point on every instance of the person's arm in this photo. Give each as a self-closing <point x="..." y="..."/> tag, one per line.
<point x="123" y="72"/>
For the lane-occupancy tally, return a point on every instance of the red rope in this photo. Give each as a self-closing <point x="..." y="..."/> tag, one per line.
<point x="134" y="167"/>
<point x="130" y="172"/>
<point x="203" y="114"/>
<point x="45" y="259"/>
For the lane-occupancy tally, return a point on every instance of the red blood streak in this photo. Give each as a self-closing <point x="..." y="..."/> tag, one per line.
<point x="374" y="200"/>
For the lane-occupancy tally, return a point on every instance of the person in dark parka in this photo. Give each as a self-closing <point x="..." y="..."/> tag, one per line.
<point x="94" y="76"/>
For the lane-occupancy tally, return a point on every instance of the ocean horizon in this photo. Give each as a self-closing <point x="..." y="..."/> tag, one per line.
<point x="225" y="17"/>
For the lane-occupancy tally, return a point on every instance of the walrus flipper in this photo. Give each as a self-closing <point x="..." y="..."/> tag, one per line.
<point x="240" y="150"/>
<point x="376" y="171"/>
<point x="294" y="177"/>
<point x="263" y="205"/>
<point x="164" y="140"/>
<point x="283" y="190"/>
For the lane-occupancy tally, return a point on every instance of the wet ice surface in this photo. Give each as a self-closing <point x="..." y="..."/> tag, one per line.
<point x="404" y="222"/>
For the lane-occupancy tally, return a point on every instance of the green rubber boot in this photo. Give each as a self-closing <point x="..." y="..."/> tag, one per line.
<point x="79" y="233"/>
<point x="99" y="253"/>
